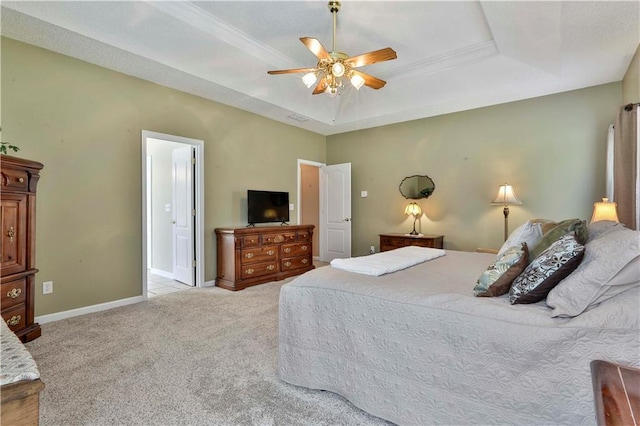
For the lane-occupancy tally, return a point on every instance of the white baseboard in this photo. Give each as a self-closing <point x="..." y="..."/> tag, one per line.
<point x="162" y="273"/>
<point x="211" y="283"/>
<point x="43" y="319"/>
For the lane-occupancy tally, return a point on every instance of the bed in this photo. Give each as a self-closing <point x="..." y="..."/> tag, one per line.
<point x="416" y="347"/>
<point x="20" y="383"/>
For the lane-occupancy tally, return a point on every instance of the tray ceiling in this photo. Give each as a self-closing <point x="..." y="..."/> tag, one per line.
<point x="452" y="55"/>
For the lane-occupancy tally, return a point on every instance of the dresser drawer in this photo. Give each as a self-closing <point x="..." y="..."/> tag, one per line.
<point x="297" y="249"/>
<point x="15" y="317"/>
<point x="259" y="254"/>
<point x="250" y="241"/>
<point x="259" y="269"/>
<point x="14" y="293"/>
<point x="304" y="236"/>
<point x="295" y="263"/>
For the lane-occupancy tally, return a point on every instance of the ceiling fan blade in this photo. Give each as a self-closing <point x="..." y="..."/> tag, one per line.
<point x="292" y="71"/>
<point x="315" y="47"/>
<point x="321" y="87"/>
<point x="381" y="55"/>
<point x="371" y="81"/>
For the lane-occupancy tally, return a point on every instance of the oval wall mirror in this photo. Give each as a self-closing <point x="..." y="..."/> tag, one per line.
<point x="416" y="187"/>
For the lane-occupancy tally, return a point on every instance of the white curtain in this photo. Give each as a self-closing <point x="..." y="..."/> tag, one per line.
<point x="610" y="163"/>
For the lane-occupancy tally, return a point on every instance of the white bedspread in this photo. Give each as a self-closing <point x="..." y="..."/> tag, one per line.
<point x="387" y="261"/>
<point x="416" y="348"/>
<point x="16" y="363"/>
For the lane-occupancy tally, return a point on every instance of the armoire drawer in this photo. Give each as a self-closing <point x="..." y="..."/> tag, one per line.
<point x="15" y="317"/>
<point x="13" y="293"/>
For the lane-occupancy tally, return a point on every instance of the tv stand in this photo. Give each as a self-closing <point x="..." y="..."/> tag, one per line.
<point x="284" y="224"/>
<point x="254" y="255"/>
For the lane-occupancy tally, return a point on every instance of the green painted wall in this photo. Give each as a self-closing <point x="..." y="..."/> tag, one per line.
<point x="84" y="123"/>
<point x="551" y="149"/>
<point x="631" y="81"/>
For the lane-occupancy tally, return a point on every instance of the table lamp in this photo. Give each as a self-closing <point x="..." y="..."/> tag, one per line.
<point x="416" y="211"/>
<point x="605" y="210"/>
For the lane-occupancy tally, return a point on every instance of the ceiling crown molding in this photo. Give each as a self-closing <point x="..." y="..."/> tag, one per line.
<point x="198" y="18"/>
<point x="446" y="61"/>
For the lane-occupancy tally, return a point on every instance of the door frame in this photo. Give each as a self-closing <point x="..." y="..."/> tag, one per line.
<point x="299" y="210"/>
<point x="199" y="199"/>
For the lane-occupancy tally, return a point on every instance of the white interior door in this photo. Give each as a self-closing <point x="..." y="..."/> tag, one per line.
<point x="335" y="212"/>
<point x="183" y="219"/>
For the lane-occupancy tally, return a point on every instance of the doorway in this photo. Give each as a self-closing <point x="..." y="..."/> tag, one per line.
<point x="324" y="194"/>
<point x="172" y="201"/>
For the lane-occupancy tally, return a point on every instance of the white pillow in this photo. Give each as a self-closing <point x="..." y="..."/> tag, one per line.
<point x="602" y="227"/>
<point x="610" y="266"/>
<point x="528" y="233"/>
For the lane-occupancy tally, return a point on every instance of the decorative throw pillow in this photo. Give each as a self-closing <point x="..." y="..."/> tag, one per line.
<point x="529" y="232"/>
<point x="547" y="270"/>
<point x="610" y="266"/>
<point x="497" y="279"/>
<point x="577" y="226"/>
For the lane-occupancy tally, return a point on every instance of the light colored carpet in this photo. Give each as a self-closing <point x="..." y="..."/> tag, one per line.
<point x="197" y="357"/>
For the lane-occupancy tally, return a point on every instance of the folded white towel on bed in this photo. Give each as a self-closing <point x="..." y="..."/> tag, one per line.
<point x="387" y="261"/>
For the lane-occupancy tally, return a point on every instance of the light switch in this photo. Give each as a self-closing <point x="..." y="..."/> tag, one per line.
<point x="167" y="207"/>
<point x="363" y="194"/>
<point x="291" y="207"/>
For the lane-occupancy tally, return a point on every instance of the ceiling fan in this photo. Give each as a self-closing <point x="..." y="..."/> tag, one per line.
<point x="333" y="66"/>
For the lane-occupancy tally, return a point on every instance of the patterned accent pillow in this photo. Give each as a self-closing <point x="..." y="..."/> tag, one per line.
<point x="575" y="226"/>
<point x="547" y="270"/>
<point x="497" y="279"/>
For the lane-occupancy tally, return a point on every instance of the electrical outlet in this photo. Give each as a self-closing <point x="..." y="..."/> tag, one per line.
<point x="47" y="287"/>
<point x="372" y="249"/>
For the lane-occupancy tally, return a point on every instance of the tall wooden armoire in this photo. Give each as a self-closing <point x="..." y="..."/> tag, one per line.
<point x="18" y="194"/>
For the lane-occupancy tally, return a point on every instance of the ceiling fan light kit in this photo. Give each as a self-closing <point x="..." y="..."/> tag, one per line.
<point x="333" y="66"/>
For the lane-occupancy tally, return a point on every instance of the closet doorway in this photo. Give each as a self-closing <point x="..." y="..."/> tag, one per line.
<point x="172" y="197"/>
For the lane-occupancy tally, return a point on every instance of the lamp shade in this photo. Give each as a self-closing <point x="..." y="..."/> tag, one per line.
<point x="413" y="208"/>
<point x="605" y="210"/>
<point x="506" y="196"/>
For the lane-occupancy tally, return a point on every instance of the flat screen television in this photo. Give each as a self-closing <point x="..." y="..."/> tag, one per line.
<point x="267" y="206"/>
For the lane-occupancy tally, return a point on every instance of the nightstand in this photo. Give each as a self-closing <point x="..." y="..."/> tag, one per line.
<point x="394" y="241"/>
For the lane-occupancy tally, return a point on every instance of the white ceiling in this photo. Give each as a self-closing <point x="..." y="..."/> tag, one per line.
<point x="452" y="55"/>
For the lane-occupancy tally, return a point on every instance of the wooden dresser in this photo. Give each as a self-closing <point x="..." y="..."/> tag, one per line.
<point x="19" y="181"/>
<point x="394" y="241"/>
<point x="250" y="256"/>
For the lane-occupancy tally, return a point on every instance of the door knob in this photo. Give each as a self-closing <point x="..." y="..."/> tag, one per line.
<point x="347" y="219"/>
<point x="173" y="222"/>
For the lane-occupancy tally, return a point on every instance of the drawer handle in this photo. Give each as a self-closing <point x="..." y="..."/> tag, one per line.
<point x="249" y="271"/>
<point x="270" y="252"/>
<point x="270" y="268"/>
<point x="287" y="250"/>
<point x="287" y="263"/>
<point x="21" y="180"/>
<point x="248" y="255"/>
<point x="304" y="248"/>
<point x="15" y="292"/>
<point x="14" y="320"/>
<point x="11" y="233"/>
<point x="305" y="261"/>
